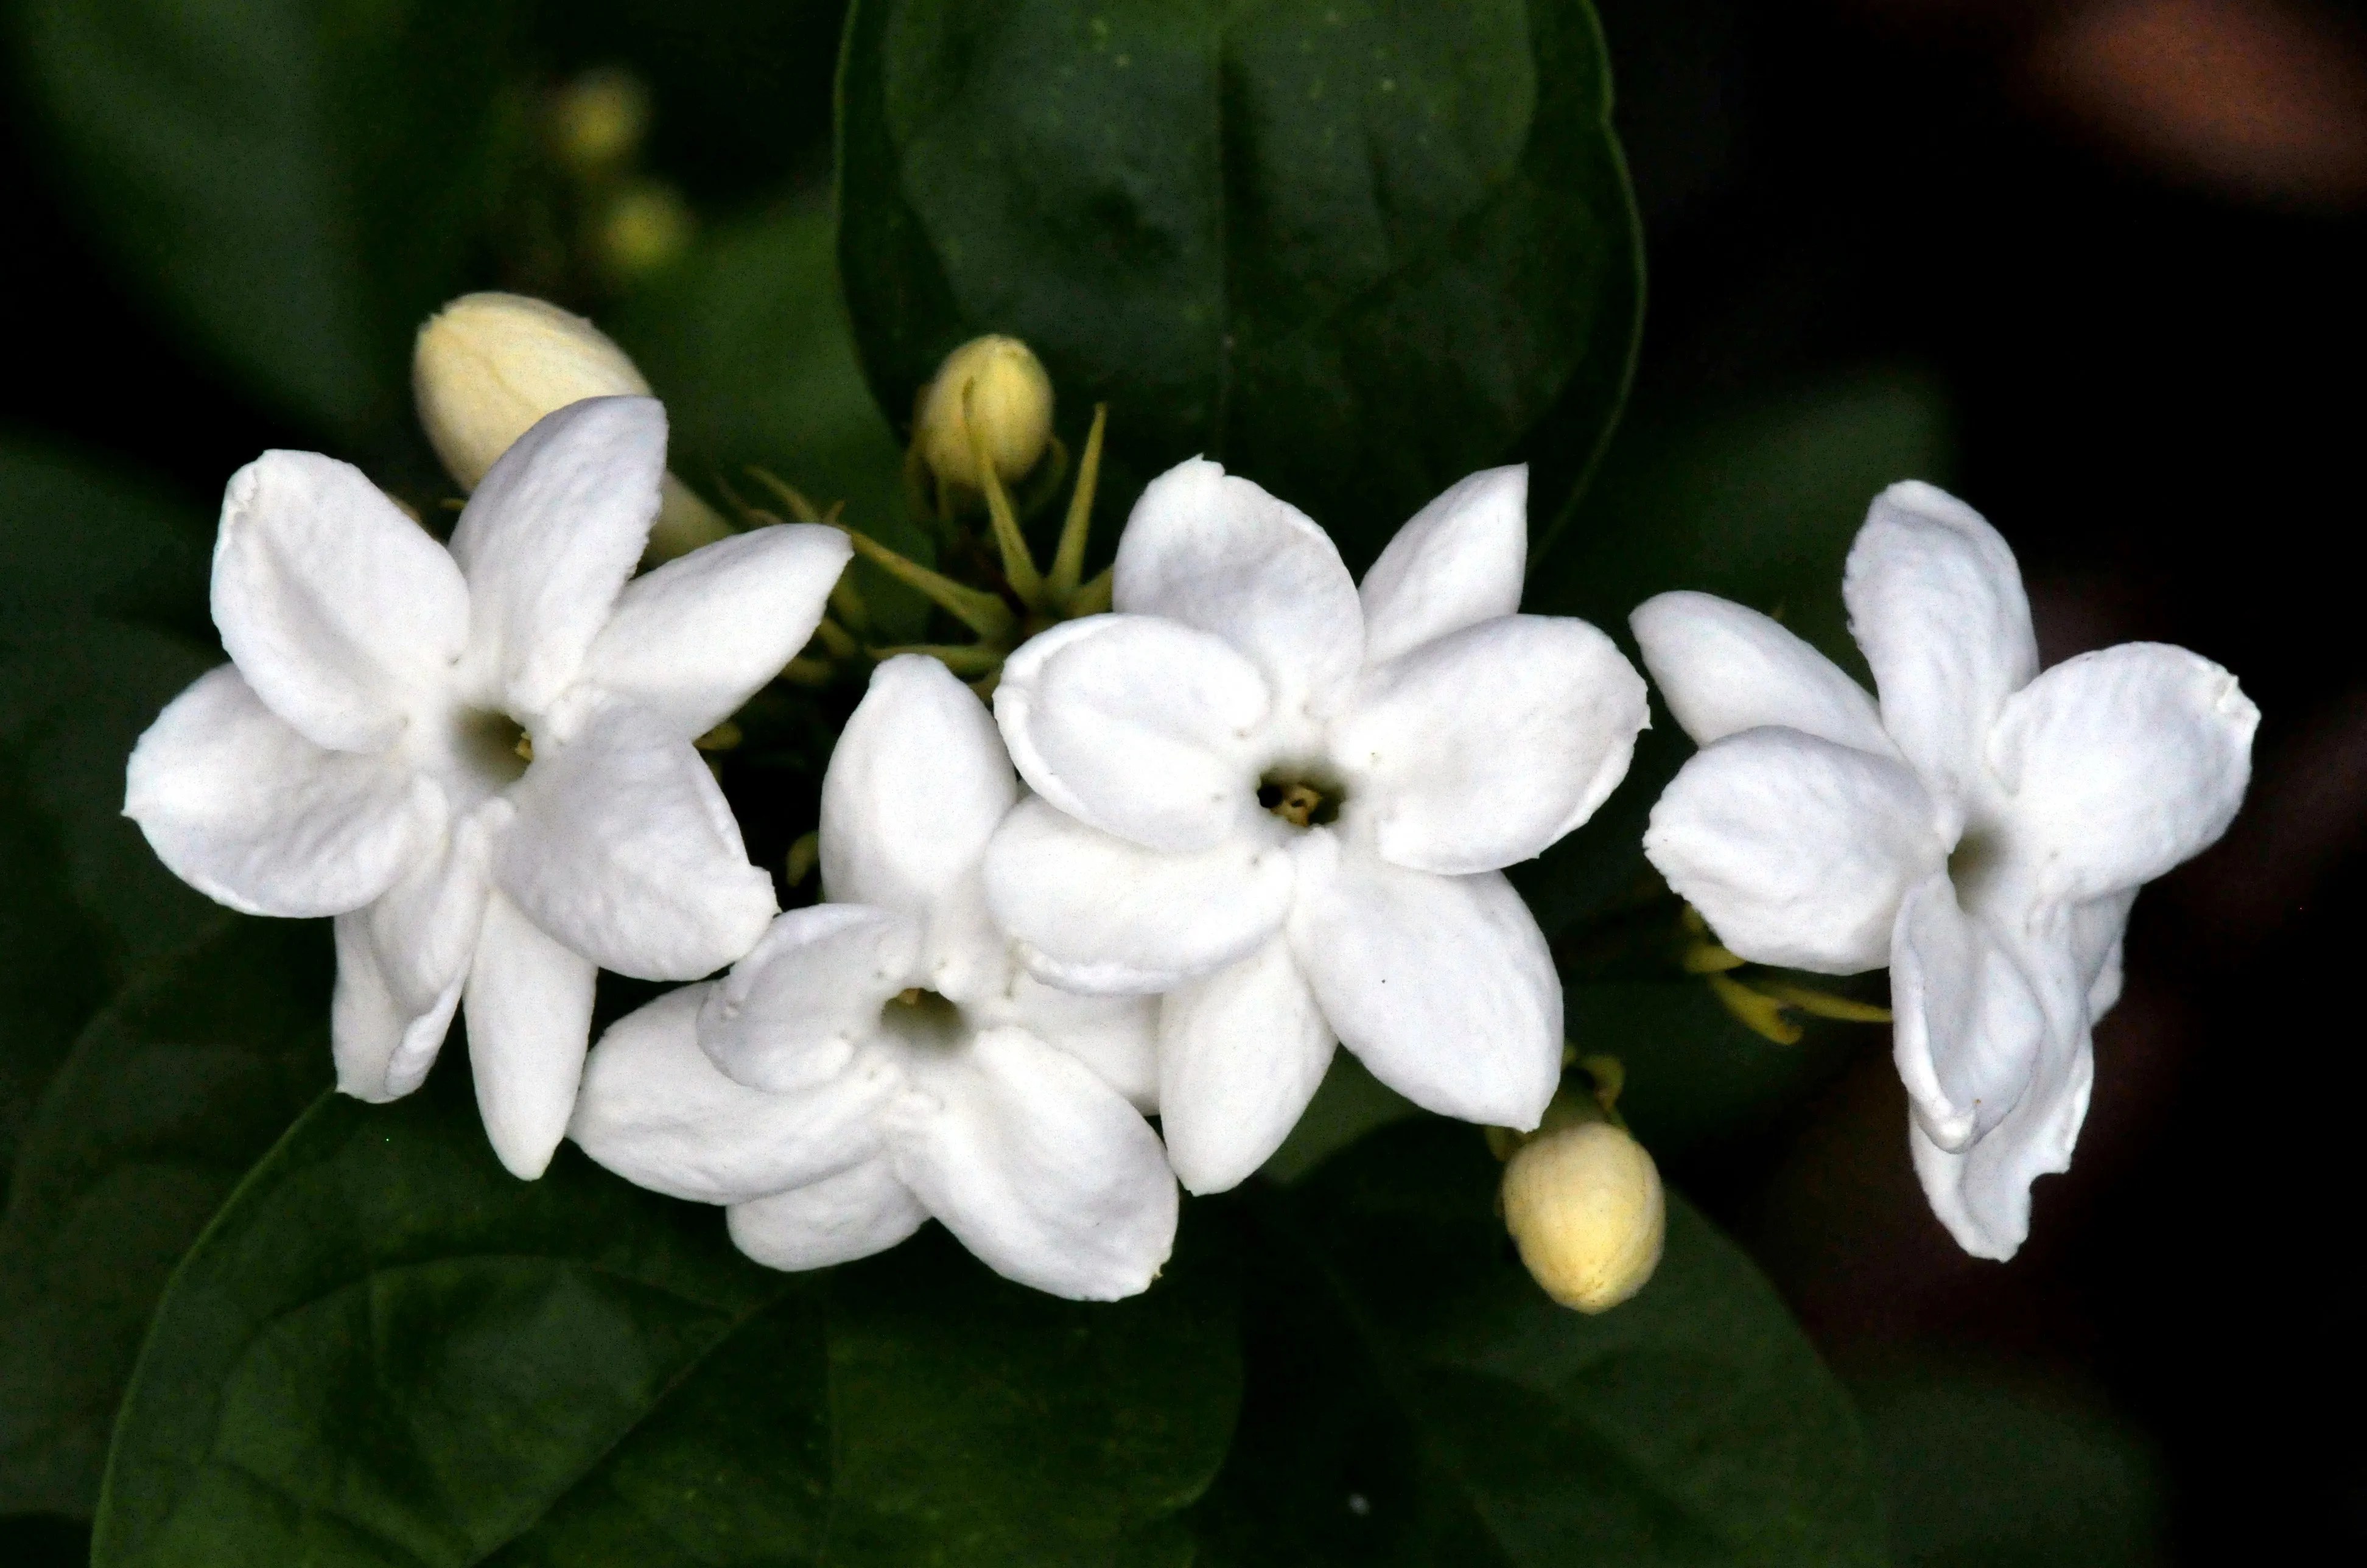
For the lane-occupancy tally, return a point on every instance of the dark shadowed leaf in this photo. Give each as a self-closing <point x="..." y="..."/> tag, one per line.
<point x="1989" y="1469"/>
<point x="1413" y="1398"/>
<point x="167" y="1098"/>
<point x="299" y="181"/>
<point x="102" y="622"/>
<point x="1353" y="249"/>
<point x="388" y="1350"/>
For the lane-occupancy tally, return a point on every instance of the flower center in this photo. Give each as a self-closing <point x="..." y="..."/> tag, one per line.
<point x="924" y="1019"/>
<point x="1971" y="864"/>
<point x="1301" y="799"/>
<point x="494" y="747"/>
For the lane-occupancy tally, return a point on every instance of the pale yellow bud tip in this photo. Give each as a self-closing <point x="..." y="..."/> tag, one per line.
<point x="1585" y="1207"/>
<point x="488" y="365"/>
<point x="1002" y="386"/>
<point x="598" y="120"/>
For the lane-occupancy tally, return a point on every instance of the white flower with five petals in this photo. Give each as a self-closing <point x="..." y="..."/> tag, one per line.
<point x="1287" y="803"/>
<point x="882" y="1058"/>
<point x="479" y="760"/>
<point x="1983" y="829"/>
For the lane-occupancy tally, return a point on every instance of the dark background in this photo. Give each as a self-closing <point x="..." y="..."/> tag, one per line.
<point x="2125" y="237"/>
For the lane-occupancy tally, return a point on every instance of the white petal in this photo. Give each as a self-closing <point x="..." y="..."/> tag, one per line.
<point x="2096" y="928"/>
<point x="1443" y="986"/>
<point x="1797" y="850"/>
<point x="550" y="535"/>
<point x="1723" y="669"/>
<point x="1935" y="600"/>
<point x="1218" y="553"/>
<point x="625" y="850"/>
<point x="382" y="1049"/>
<point x="1970" y="1029"/>
<point x="254" y="816"/>
<point x="529" y="1003"/>
<point x="790" y="1015"/>
<point x="1141" y="727"/>
<point x="1458" y="562"/>
<point x="1039" y="1168"/>
<point x="915" y="787"/>
<point x="1096" y="913"/>
<point x="1241" y="1052"/>
<point x="1482" y="748"/>
<point x="1982" y="1192"/>
<point x="655" y="1111"/>
<point x="334" y="604"/>
<point x="424" y="929"/>
<point x="2122" y="763"/>
<point x="1117" y="1037"/>
<point x="858" y="1211"/>
<point x="693" y="640"/>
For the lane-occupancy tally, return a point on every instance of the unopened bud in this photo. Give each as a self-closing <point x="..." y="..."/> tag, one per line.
<point x="488" y="365"/>
<point x="997" y="384"/>
<point x="1585" y="1207"/>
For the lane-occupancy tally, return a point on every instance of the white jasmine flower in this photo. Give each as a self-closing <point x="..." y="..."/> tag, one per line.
<point x="881" y="1058"/>
<point x="1984" y="830"/>
<point x="365" y="753"/>
<point x="1288" y="804"/>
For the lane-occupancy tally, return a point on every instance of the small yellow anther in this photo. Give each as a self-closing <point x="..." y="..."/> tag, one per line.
<point x="803" y="853"/>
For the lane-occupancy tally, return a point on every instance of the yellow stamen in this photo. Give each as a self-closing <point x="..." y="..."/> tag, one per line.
<point x="1762" y="1015"/>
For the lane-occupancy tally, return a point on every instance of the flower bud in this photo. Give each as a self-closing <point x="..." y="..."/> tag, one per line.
<point x="488" y="365"/>
<point x="597" y="121"/>
<point x="1585" y="1207"/>
<point x="998" y="383"/>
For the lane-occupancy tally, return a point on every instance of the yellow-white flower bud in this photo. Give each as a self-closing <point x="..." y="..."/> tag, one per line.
<point x="488" y="365"/>
<point x="997" y="383"/>
<point x="1585" y="1207"/>
<point x="598" y="120"/>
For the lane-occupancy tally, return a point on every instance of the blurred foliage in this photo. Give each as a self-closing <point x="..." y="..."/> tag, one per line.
<point x="386" y="1349"/>
<point x="1354" y="249"/>
<point x="299" y="182"/>
<point x="1414" y="1399"/>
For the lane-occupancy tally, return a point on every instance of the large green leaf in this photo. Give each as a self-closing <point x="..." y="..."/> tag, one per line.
<point x="299" y="181"/>
<point x="102" y="595"/>
<point x="168" y="1098"/>
<point x="1351" y="248"/>
<point x="1989" y="1469"/>
<point x="1414" y="1398"/>
<point x="386" y="1350"/>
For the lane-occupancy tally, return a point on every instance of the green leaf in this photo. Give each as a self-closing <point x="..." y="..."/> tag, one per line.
<point x="1353" y="249"/>
<point x="1987" y="1471"/>
<point x="102" y="595"/>
<point x="299" y="181"/>
<point x="166" y="1100"/>
<point x="1413" y="1397"/>
<point x="387" y="1351"/>
<point x="747" y="341"/>
<point x="1756" y="501"/>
